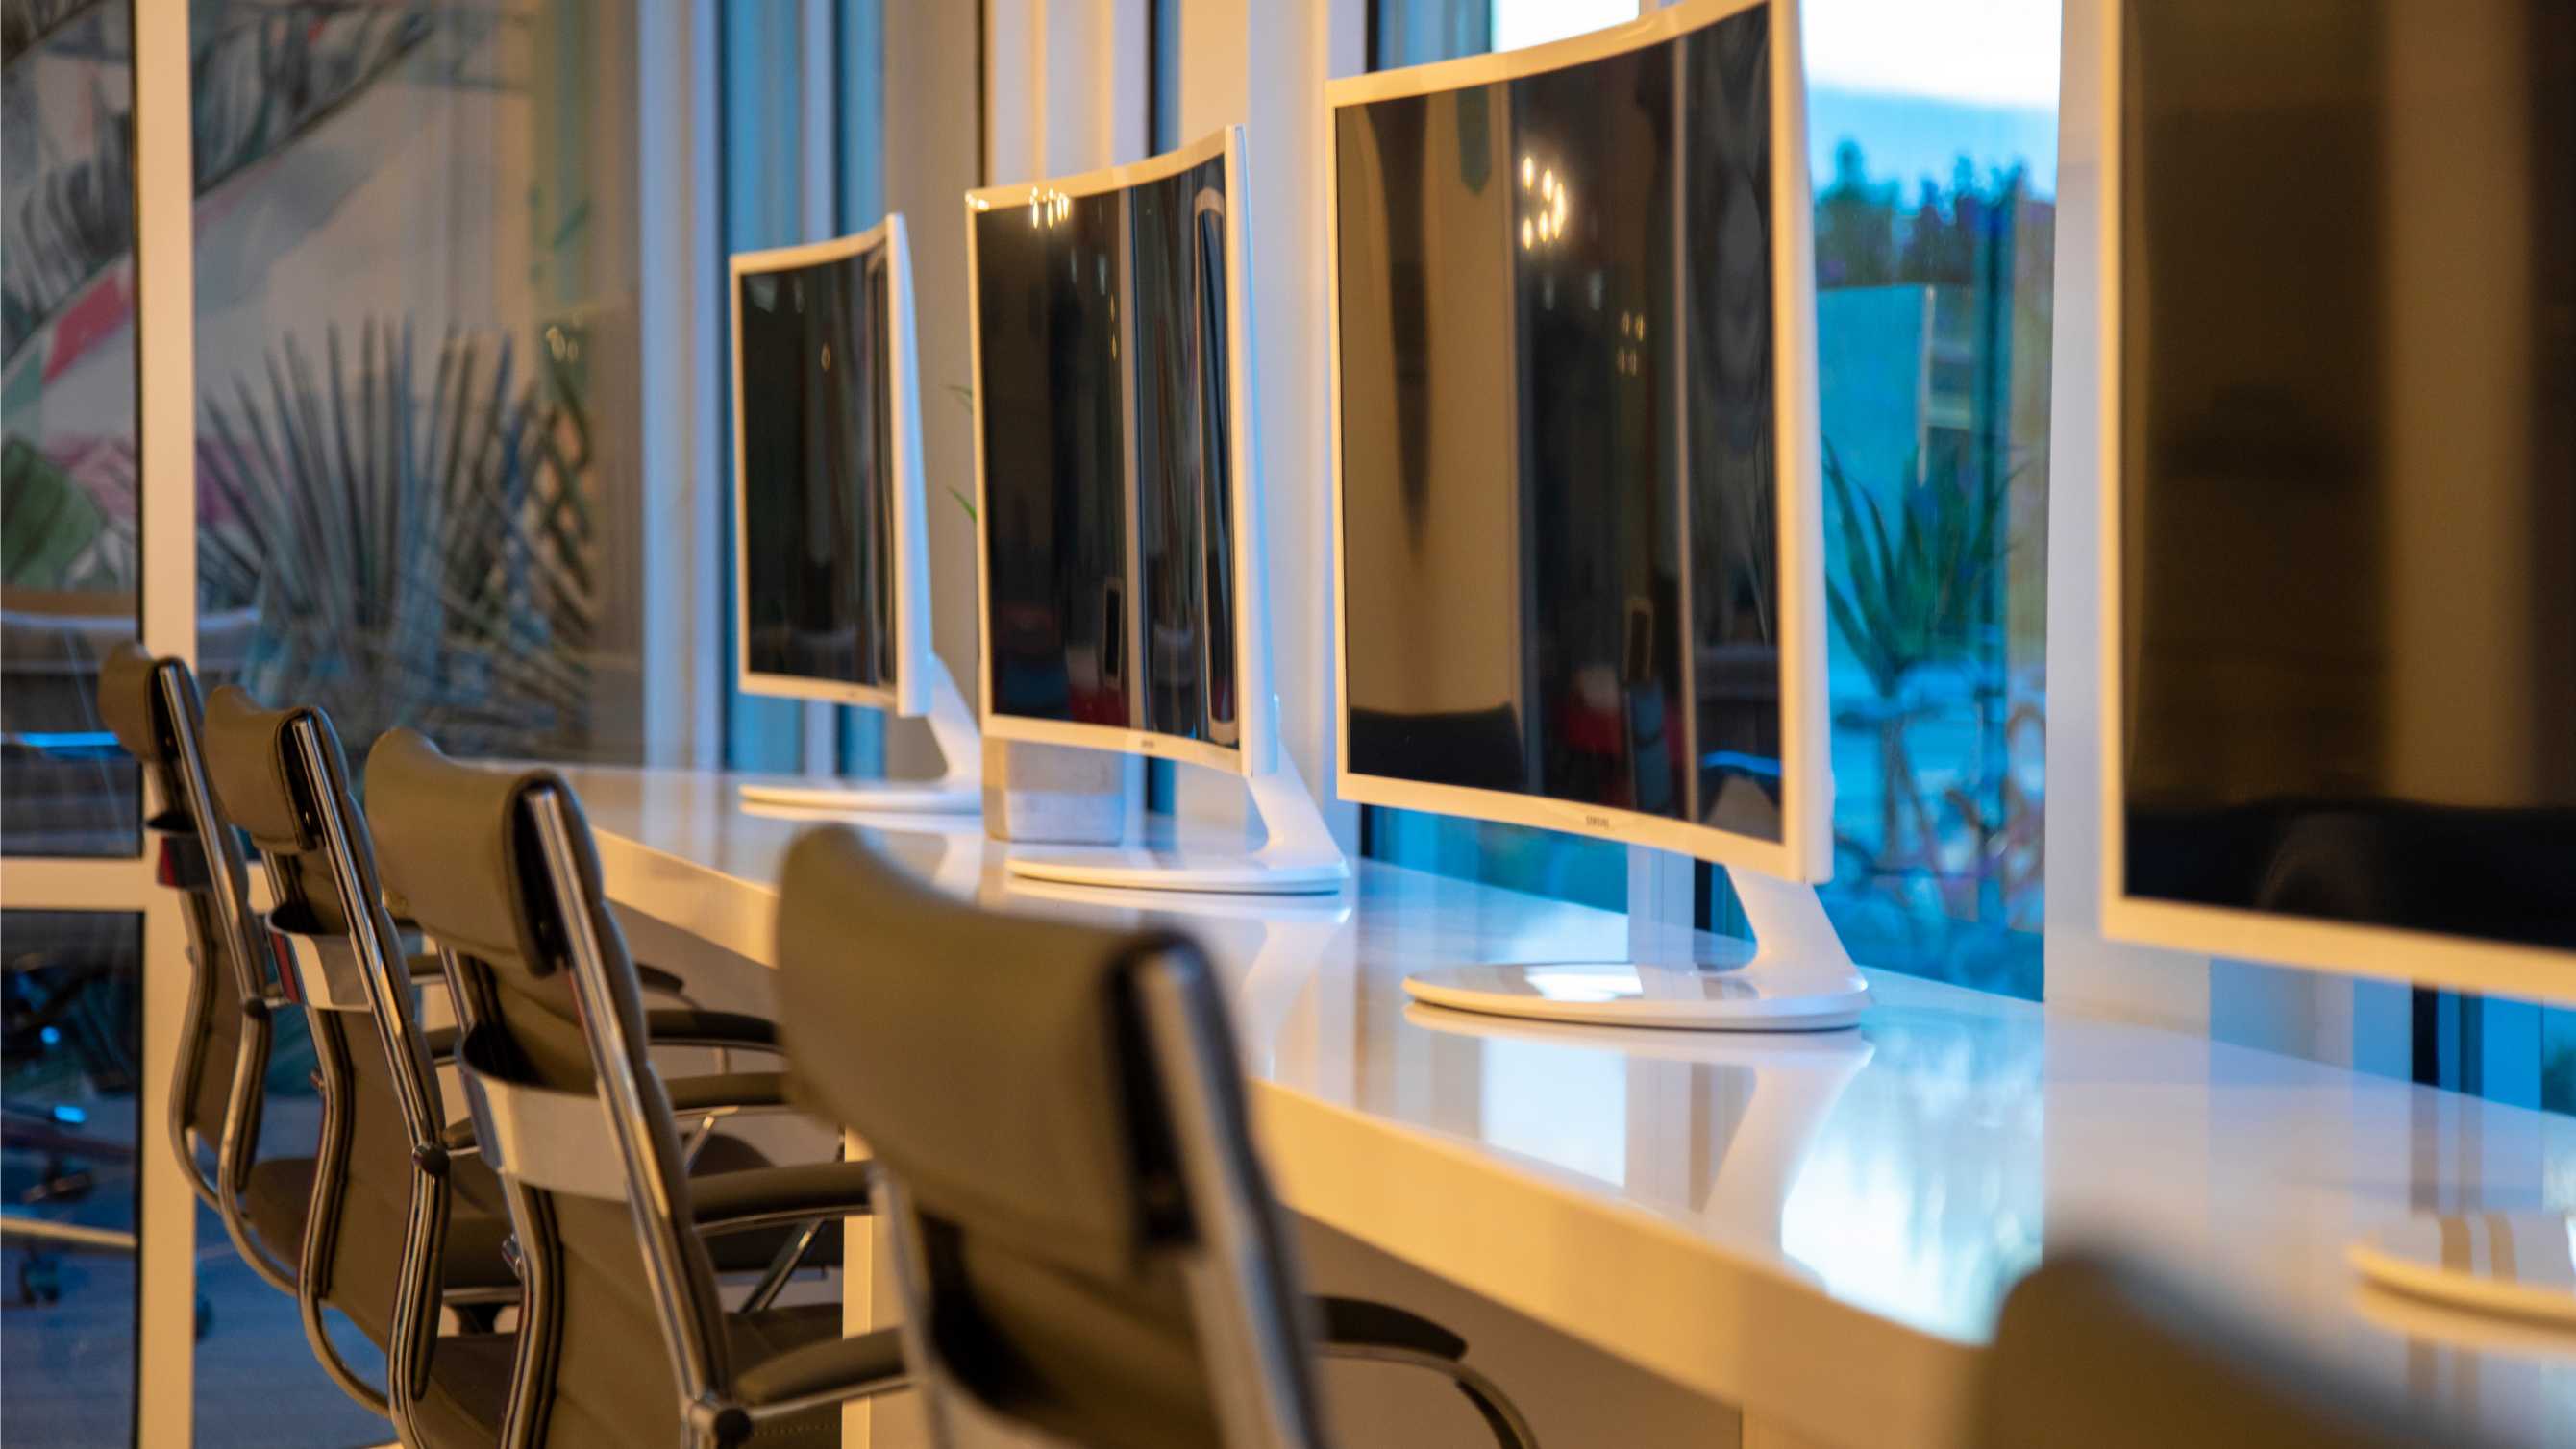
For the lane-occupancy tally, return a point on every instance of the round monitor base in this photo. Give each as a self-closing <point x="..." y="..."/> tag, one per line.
<point x="2521" y="1265"/>
<point x="1768" y="997"/>
<point x="892" y="797"/>
<point x="1181" y="870"/>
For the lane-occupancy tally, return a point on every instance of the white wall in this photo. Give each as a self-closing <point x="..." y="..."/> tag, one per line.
<point x="1263" y="65"/>
<point x="932" y="157"/>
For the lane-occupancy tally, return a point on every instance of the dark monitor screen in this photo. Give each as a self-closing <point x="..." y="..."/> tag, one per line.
<point x="818" y="471"/>
<point x="1108" y="463"/>
<point x="1557" y="433"/>
<point x="2347" y="468"/>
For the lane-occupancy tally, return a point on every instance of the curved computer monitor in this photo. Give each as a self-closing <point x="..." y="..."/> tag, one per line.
<point x="2339" y="593"/>
<point x="2338" y="464"/>
<point x="1118" y="504"/>
<point x="1575" y="453"/>
<point x="831" y="552"/>
<point x="1581" y="565"/>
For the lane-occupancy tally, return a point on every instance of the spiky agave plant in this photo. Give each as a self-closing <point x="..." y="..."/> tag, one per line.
<point x="1919" y="596"/>
<point x="419" y="548"/>
<point x="1906" y="598"/>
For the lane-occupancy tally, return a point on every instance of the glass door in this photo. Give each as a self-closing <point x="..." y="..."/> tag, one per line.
<point x="95" y="442"/>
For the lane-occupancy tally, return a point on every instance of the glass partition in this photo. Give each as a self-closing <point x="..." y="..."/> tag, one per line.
<point x="417" y="384"/>
<point x="70" y="558"/>
<point x="71" y="1046"/>
<point x="418" y="451"/>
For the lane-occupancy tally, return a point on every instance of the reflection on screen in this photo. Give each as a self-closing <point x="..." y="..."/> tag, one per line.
<point x="2348" y="471"/>
<point x="1557" y="454"/>
<point x="818" y="471"/>
<point x="1107" y="458"/>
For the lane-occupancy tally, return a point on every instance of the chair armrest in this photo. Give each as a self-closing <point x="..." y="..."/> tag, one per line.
<point x="668" y="1027"/>
<point x="718" y="1094"/>
<point x="1361" y="1329"/>
<point x="1361" y="1323"/>
<point x="425" y="972"/>
<point x="689" y="1026"/>
<point x="654" y="978"/>
<point x="822" y="1373"/>
<point x="761" y="1197"/>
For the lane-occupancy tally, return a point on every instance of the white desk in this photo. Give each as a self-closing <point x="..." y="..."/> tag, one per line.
<point x="1816" y="1230"/>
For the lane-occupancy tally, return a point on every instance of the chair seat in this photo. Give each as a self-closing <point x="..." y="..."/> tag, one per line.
<point x="469" y="1374"/>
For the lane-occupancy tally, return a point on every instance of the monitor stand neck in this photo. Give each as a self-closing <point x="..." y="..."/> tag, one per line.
<point x="1790" y="930"/>
<point x="1298" y="855"/>
<point x="957" y="790"/>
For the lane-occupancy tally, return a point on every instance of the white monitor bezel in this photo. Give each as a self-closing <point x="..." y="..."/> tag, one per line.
<point x="1256" y="734"/>
<point x="1804" y="852"/>
<point x="2458" y="963"/>
<point x="909" y="695"/>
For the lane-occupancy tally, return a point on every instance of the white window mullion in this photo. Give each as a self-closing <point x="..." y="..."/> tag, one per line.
<point x="165" y="311"/>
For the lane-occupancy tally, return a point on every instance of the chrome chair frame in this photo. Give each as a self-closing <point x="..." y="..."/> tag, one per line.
<point x="367" y="971"/>
<point x="223" y="934"/>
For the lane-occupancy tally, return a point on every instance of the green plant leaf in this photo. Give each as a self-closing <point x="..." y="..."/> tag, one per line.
<point x="48" y="521"/>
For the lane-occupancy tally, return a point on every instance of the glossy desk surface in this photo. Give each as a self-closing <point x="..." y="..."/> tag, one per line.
<point x="1816" y="1228"/>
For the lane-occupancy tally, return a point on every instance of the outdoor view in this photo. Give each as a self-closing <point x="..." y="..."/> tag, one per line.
<point x="1934" y="155"/>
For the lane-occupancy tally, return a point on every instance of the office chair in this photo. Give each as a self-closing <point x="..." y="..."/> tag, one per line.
<point x="1084" y="1240"/>
<point x="381" y="1237"/>
<point x="623" y="1339"/>
<point x="218" y="1097"/>
<point x="219" y="1094"/>
<point x="2096" y="1351"/>
<point x="396" y="1216"/>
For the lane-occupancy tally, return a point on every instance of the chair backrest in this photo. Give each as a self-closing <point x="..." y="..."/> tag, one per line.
<point x="375" y="1232"/>
<point x="216" y="1097"/>
<point x="1087" y="1244"/>
<point x="498" y="868"/>
<point x="2097" y="1351"/>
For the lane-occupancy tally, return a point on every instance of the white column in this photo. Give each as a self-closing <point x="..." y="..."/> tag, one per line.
<point x="1263" y="65"/>
<point x="1065" y="87"/>
<point x="2082" y="969"/>
<point x="680" y="319"/>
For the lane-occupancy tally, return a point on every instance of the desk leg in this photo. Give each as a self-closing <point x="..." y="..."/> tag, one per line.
<point x="869" y="1302"/>
<point x="860" y="1250"/>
